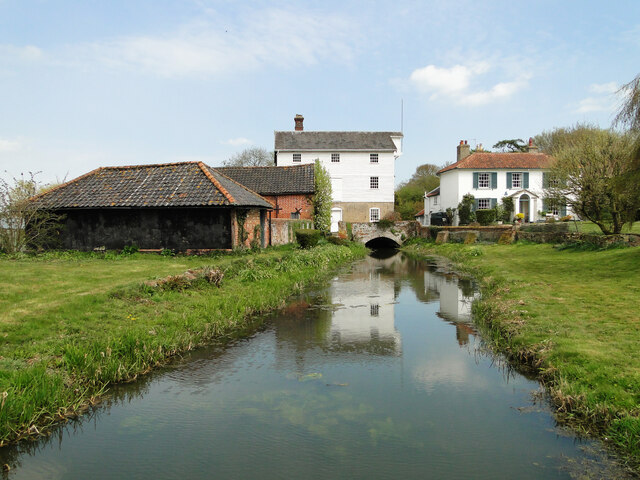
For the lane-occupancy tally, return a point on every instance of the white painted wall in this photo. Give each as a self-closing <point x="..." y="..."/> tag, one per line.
<point x="353" y="173"/>
<point x="454" y="184"/>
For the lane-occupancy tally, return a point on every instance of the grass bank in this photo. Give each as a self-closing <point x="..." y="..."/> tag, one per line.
<point x="572" y="315"/>
<point x="71" y="324"/>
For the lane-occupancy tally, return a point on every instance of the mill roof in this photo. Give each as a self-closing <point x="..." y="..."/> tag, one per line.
<point x="185" y="184"/>
<point x="297" y="179"/>
<point x="480" y="160"/>
<point x="335" y="141"/>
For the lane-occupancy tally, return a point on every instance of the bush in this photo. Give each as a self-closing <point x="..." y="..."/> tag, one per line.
<point x="167" y="252"/>
<point x="485" y="217"/>
<point x="308" y="238"/>
<point x="343" y="242"/>
<point x="393" y="216"/>
<point x="130" y="249"/>
<point x="465" y="210"/>
<point x="384" y="224"/>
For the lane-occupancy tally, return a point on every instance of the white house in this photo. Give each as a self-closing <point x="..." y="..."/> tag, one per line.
<point x="490" y="176"/>
<point x="361" y="166"/>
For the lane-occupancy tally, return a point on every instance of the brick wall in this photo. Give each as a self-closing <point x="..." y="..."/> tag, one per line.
<point x="289" y="204"/>
<point x="251" y="222"/>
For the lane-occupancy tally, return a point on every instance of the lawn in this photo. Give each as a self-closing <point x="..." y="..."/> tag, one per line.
<point x="573" y="315"/>
<point x="71" y="324"/>
<point x="590" y="227"/>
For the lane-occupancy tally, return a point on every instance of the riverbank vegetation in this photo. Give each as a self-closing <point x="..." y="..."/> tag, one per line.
<point x="573" y="316"/>
<point x="73" y="323"/>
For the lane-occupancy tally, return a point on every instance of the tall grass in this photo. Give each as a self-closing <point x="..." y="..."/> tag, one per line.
<point x="573" y="316"/>
<point x="101" y="323"/>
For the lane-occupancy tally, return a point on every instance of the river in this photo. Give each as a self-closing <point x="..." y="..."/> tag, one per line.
<point x="379" y="375"/>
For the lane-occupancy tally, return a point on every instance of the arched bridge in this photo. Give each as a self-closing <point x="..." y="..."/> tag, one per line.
<point x="381" y="235"/>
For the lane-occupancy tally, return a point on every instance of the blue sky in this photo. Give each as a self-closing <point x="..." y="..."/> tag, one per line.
<point x="89" y="83"/>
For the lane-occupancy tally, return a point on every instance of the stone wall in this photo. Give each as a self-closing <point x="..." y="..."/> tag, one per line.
<point x="282" y="230"/>
<point x="595" y="239"/>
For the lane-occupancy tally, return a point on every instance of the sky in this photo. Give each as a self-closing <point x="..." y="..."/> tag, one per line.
<point x="89" y="83"/>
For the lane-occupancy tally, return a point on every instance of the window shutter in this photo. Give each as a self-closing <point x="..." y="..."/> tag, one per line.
<point x="525" y="180"/>
<point x="494" y="180"/>
<point x="475" y="205"/>
<point x="545" y="205"/>
<point x="545" y="179"/>
<point x="475" y="179"/>
<point x="494" y="202"/>
<point x="508" y="179"/>
<point x="563" y="210"/>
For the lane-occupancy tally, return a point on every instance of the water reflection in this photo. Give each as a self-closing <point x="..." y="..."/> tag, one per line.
<point x="379" y="375"/>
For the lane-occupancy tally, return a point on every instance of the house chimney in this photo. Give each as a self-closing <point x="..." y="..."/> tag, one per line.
<point x="464" y="150"/>
<point x="531" y="148"/>
<point x="299" y="119"/>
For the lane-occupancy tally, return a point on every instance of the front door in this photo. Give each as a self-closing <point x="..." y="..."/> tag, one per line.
<point x="524" y="206"/>
<point x="336" y="216"/>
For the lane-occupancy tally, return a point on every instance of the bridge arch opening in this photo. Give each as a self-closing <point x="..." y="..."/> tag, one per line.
<point x="379" y="243"/>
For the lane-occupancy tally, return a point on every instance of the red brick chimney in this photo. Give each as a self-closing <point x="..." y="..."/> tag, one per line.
<point x="299" y="119"/>
<point x="464" y="150"/>
<point x="531" y="148"/>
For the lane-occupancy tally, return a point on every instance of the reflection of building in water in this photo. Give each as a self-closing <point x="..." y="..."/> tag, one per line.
<point x="364" y="320"/>
<point x="455" y="301"/>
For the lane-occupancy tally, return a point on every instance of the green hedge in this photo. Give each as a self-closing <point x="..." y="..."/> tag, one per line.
<point x="308" y="237"/>
<point x="485" y="217"/>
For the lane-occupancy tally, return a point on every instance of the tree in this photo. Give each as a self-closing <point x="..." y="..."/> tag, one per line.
<point x="22" y="224"/>
<point x="465" y="210"/>
<point x="321" y="198"/>
<point x="629" y="117"/>
<point x="250" y="157"/>
<point x="589" y="162"/>
<point x="410" y="194"/>
<point x="551" y="140"/>
<point x="513" y="145"/>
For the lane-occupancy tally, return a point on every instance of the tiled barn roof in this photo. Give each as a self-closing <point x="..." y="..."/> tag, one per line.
<point x="297" y="179"/>
<point x="187" y="184"/>
<point x="480" y="160"/>
<point x="336" y="141"/>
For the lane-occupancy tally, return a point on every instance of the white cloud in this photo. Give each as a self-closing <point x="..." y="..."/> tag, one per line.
<point x="9" y="145"/>
<point x="28" y="52"/>
<point x="605" y="99"/>
<point x="270" y="37"/>
<point x="611" y="87"/>
<point x="457" y="83"/>
<point x="237" y="141"/>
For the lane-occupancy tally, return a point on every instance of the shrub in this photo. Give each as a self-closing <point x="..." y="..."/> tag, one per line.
<point x="167" y="252"/>
<point x="338" y="241"/>
<point x="308" y="238"/>
<point x="130" y="249"/>
<point x="485" y="217"/>
<point x="384" y="224"/>
<point x="465" y="211"/>
<point x="393" y="216"/>
<point x="507" y="209"/>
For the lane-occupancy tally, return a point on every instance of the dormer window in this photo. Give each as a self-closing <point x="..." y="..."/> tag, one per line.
<point x="335" y="157"/>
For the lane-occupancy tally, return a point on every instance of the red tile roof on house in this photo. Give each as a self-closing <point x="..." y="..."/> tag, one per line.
<point x="420" y="213"/>
<point x="481" y="160"/>
<point x="186" y="184"/>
